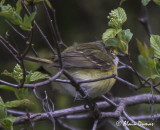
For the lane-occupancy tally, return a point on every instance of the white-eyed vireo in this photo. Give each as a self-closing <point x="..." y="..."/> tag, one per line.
<point x="88" y="61"/>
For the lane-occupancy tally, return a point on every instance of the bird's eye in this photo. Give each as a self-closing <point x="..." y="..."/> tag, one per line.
<point x="111" y="51"/>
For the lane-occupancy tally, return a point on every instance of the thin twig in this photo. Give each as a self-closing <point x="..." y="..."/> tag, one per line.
<point x="133" y="68"/>
<point x="144" y="19"/>
<point x="126" y="82"/>
<point x="124" y="126"/>
<point x="65" y="125"/>
<point x="109" y="101"/>
<point x="8" y="48"/>
<point x="95" y="124"/>
<point x="19" y="33"/>
<point x="40" y="31"/>
<point x="134" y="122"/>
<point x="53" y="25"/>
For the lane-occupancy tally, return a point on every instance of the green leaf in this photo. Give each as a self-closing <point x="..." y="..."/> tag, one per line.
<point x="27" y="21"/>
<point x="38" y="75"/>
<point x="112" y="42"/>
<point x="5" y="72"/>
<point x="13" y="15"/>
<point x="18" y="7"/>
<point x="22" y="93"/>
<point x="157" y="2"/>
<point x="143" y="61"/>
<point x="124" y="38"/>
<point x="10" y="118"/>
<point x="3" y="111"/>
<point x="121" y="43"/>
<point x="8" y="88"/>
<point x="145" y="2"/>
<point x="117" y="17"/>
<point x="157" y="66"/>
<point x="7" y="123"/>
<point x="110" y="33"/>
<point x="48" y="4"/>
<point x="32" y="2"/>
<point x="115" y="36"/>
<point x="147" y="64"/>
<point x="151" y="64"/>
<point x="2" y="2"/>
<point x="122" y="1"/>
<point x="17" y="73"/>
<point x="16" y="103"/>
<point x="144" y="49"/>
<point x="29" y="2"/>
<point x="125" y="35"/>
<point x="155" y="44"/>
<point x="155" y="76"/>
<point x="10" y="13"/>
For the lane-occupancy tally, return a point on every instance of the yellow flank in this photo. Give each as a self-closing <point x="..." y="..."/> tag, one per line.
<point x="93" y="89"/>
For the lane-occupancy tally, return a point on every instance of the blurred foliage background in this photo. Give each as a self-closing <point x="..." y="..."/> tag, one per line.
<point x="82" y="21"/>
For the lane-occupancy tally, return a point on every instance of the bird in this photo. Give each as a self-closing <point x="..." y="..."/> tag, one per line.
<point x="87" y="61"/>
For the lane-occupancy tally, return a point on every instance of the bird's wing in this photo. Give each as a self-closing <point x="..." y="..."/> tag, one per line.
<point x="92" y="56"/>
<point x="87" y="59"/>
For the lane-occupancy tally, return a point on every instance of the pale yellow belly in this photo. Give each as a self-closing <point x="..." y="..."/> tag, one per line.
<point x="93" y="89"/>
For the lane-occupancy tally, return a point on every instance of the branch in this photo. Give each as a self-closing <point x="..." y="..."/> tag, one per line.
<point x="146" y="81"/>
<point x="9" y="48"/>
<point x="34" y="85"/>
<point x="15" y="30"/>
<point x="123" y="102"/>
<point x="143" y="19"/>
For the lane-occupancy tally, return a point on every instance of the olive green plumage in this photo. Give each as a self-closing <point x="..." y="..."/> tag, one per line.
<point x="87" y="61"/>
